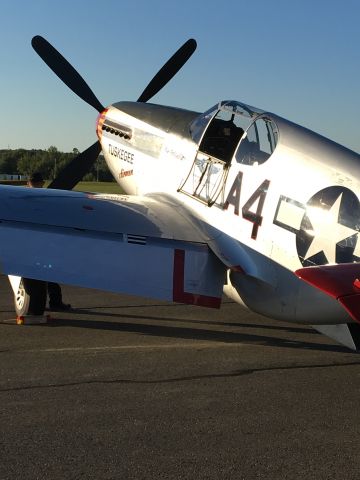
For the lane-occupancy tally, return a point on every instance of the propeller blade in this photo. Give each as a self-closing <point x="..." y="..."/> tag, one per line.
<point x="66" y="72"/>
<point x="77" y="168"/>
<point x="169" y="70"/>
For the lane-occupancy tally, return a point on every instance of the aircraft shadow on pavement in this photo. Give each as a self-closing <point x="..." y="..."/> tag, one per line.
<point x="292" y="329"/>
<point x="197" y="333"/>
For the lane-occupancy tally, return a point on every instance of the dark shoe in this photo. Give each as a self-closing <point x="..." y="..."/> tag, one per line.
<point x="60" y="307"/>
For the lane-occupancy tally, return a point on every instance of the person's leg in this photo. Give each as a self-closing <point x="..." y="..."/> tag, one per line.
<point x="55" y="297"/>
<point x="54" y="292"/>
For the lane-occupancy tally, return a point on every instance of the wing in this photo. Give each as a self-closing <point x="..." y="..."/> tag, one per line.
<point x="137" y="245"/>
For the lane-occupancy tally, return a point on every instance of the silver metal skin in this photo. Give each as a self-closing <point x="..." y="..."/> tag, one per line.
<point x="247" y="196"/>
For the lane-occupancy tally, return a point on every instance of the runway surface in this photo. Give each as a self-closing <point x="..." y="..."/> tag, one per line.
<point x="126" y="388"/>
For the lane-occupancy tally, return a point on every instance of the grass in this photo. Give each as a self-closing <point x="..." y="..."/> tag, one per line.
<point x="99" y="187"/>
<point x="96" y="187"/>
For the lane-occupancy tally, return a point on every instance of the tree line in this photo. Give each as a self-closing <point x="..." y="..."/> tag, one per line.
<point x="49" y="162"/>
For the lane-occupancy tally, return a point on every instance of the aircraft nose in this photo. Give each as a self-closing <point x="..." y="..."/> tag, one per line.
<point x="100" y="122"/>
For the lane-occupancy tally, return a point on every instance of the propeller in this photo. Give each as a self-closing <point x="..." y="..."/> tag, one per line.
<point x="82" y="164"/>
<point x="77" y="168"/>
<point x="169" y="70"/>
<point x="66" y="72"/>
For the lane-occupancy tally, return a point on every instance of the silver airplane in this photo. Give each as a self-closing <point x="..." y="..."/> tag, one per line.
<point x="235" y="200"/>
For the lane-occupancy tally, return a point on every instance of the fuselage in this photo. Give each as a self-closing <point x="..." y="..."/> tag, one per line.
<point x="262" y="188"/>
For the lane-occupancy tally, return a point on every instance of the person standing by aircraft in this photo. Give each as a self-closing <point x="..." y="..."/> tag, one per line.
<point x="53" y="289"/>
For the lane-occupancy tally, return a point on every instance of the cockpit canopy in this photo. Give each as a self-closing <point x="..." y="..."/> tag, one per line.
<point x="231" y="129"/>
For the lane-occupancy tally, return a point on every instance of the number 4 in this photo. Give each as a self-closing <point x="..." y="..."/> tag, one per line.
<point x="255" y="217"/>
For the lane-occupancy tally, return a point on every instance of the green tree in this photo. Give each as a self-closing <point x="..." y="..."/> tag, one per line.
<point x="49" y="162"/>
<point x="54" y="157"/>
<point x="8" y="160"/>
<point x="28" y="163"/>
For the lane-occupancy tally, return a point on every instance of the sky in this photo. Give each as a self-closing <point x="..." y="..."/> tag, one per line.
<point x="298" y="59"/>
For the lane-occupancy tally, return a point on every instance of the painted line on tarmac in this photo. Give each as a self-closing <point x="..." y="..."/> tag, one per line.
<point x="136" y="347"/>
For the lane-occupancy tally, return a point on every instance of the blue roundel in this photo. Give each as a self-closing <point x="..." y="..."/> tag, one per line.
<point x="329" y="228"/>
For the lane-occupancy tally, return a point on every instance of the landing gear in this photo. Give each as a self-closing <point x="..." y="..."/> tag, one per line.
<point x="30" y="298"/>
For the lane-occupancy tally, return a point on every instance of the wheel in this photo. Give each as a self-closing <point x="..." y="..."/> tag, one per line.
<point x="30" y="298"/>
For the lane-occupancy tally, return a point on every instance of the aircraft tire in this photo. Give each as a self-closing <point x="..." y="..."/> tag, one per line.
<point x="30" y="298"/>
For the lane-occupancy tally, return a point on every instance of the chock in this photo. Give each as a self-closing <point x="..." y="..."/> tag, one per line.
<point x="32" y="319"/>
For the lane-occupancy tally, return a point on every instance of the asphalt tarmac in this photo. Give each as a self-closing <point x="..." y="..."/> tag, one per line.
<point x="129" y="388"/>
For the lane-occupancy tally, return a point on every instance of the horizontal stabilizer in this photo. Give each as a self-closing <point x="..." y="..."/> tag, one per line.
<point x="341" y="281"/>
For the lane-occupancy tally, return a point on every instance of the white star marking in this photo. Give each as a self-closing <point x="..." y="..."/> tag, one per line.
<point x="327" y="231"/>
